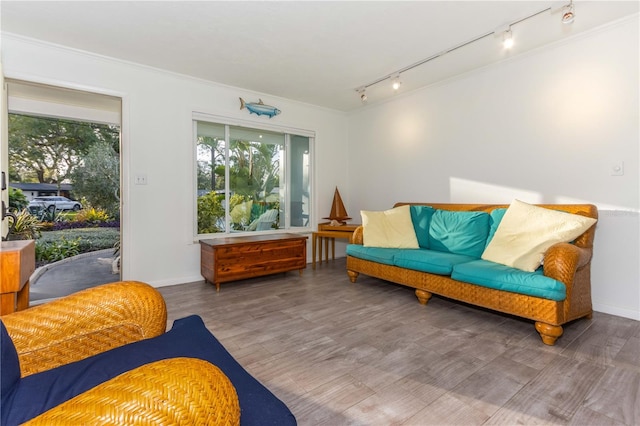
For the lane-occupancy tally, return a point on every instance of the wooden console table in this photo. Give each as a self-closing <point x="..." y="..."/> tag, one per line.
<point x="236" y="258"/>
<point x="17" y="263"/>
<point x="328" y="232"/>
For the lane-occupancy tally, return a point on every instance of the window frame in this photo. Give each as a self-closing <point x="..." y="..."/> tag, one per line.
<point x="287" y="131"/>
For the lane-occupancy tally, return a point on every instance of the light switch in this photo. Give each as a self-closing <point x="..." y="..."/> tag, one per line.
<point x="617" y="168"/>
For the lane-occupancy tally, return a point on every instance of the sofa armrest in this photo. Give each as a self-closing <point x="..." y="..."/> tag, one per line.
<point x="85" y="323"/>
<point x="562" y="260"/>
<point x="357" y="236"/>
<point x="176" y="391"/>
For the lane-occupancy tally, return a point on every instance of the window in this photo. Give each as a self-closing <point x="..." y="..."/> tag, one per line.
<point x="251" y="179"/>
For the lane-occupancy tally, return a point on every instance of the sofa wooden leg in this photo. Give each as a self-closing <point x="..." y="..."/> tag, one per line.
<point x="549" y="333"/>
<point x="353" y="276"/>
<point x="423" y="296"/>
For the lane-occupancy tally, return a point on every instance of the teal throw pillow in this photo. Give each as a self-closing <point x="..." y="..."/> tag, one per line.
<point x="460" y="232"/>
<point x="496" y="216"/>
<point x="421" y="218"/>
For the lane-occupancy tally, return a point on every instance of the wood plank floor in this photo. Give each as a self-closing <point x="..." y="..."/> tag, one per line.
<point x="369" y="354"/>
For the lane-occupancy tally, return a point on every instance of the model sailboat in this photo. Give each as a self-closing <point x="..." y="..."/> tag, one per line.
<point x="338" y="212"/>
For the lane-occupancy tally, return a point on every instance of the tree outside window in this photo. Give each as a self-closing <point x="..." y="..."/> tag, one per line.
<point x="249" y="175"/>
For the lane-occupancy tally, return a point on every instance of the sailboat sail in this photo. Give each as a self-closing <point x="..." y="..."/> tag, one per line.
<point x="338" y="211"/>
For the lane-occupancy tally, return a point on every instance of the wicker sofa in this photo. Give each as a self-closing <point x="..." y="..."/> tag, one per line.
<point x="102" y="356"/>
<point x="568" y="263"/>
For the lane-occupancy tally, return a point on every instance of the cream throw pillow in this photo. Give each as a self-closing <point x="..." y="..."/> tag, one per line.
<point x="390" y="228"/>
<point x="526" y="232"/>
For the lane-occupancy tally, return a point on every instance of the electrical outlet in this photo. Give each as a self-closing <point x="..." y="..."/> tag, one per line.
<point x="141" y="180"/>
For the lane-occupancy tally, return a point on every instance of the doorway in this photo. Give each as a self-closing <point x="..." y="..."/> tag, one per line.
<point x="65" y="184"/>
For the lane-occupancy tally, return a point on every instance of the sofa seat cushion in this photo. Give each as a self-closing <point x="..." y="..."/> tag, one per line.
<point x="435" y="262"/>
<point x="189" y="337"/>
<point x="460" y="232"/>
<point x="374" y="254"/>
<point x="501" y="277"/>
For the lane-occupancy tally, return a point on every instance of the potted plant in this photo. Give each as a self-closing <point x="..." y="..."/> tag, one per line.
<point x="25" y="227"/>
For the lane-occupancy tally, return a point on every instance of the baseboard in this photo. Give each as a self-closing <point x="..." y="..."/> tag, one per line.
<point x="176" y="281"/>
<point x="617" y="311"/>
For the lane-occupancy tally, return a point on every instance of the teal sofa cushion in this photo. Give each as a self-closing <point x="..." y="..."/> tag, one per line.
<point x="374" y="254"/>
<point x="501" y="277"/>
<point x="495" y="217"/>
<point x="421" y="218"/>
<point x="435" y="262"/>
<point x="461" y="232"/>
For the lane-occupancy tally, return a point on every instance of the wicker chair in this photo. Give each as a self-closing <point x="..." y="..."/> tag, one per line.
<point x="176" y="391"/>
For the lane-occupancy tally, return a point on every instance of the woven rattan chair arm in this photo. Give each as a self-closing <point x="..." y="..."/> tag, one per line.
<point x="562" y="260"/>
<point x="85" y="323"/>
<point x="177" y="391"/>
<point x="357" y="236"/>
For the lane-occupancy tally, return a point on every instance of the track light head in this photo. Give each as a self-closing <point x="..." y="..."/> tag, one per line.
<point x="395" y="83"/>
<point x="362" y="91"/>
<point x="507" y="39"/>
<point x="568" y="13"/>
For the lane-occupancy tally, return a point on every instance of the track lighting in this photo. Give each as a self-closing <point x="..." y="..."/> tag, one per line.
<point x="363" y="94"/>
<point x="507" y="39"/>
<point x="395" y="83"/>
<point x="568" y="13"/>
<point x="504" y="31"/>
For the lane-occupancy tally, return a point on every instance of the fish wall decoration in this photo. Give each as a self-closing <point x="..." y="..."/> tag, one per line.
<point x="259" y="108"/>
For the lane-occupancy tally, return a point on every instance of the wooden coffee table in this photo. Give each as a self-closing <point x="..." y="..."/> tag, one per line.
<point x="236" y="258"/>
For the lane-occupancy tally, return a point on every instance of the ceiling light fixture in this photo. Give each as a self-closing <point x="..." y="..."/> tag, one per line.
<point x="567" y="17"/>
<point x="363" y="94"/>
<point x="568" y="13"/>
<point x="395" y="83"/>
<point x="507" y="39"/>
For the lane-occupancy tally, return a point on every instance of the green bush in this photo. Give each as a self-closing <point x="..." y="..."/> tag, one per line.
<point x="67" y="216"/>
<point x="17" y="199"/>
<point x="210" y="213"/>
<point x="53" y="251"/>
<point x="92" y="215"/>
<point x="89" y="239"/>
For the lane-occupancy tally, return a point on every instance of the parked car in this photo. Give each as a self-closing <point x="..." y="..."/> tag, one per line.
<point x="53" y="203"/>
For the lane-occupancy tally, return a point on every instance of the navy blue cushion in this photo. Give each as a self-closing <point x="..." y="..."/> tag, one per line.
<point x="9" y="365"/>
<point x="189" y="337"/>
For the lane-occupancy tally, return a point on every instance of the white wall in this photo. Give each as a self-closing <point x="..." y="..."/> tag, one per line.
<point x="543" y="127"/>
<point x="157" y="218"/>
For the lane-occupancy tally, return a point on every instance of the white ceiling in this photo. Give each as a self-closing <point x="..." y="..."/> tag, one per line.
<point x="317" y="52"/>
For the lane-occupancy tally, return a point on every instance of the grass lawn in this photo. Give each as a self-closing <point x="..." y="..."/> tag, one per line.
<point x="90" y="239"/>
